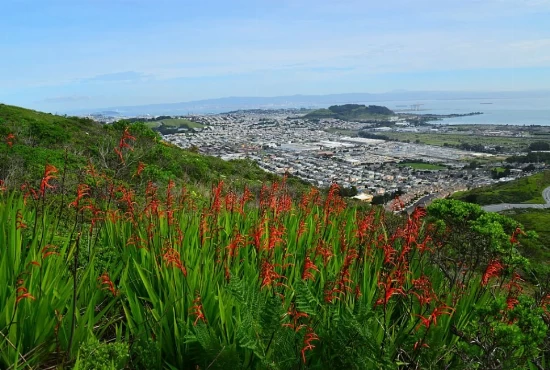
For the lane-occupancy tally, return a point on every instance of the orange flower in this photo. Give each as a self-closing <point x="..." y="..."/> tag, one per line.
<point x="140" y="168"/>
<point x="268" y="274"/>
<point x="19" y="224"/>
<point x="493" y="270"/>
<point x="81" y="192"/>
<point x="105" y="280"/>
<point x="49" y="250"/>
<point x="309" y="265"/>
<point x="9" y="139"/>
<point x="49" y="174"/>
<point x="197" y="310"/>
<point x="22" y="293"/>
<point x="307" y="346"/>
<point x="172" y="259"/>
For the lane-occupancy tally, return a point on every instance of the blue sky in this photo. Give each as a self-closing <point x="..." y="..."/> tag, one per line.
<point x="59" y="55"/>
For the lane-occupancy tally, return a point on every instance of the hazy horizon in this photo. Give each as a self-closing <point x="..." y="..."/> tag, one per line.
<point x="64" y="55"/>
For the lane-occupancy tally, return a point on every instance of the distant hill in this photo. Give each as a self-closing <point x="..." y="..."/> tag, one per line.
<point x="349" y="112"/>
<point x="29" y="140"/>
<point x="227" y="104"/>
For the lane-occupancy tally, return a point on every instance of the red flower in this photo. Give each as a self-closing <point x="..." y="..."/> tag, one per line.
<point x="295" y="316"/>
<point x="81" y="192"/>
<point x="306" y="273"/>
<point x="197" y="310"/>
<point x="307" y="346"/>
<point x="19" y="224"/>
<point x="268" y="274"/>
<point x="493" y="270"/>
<point x="49" y="250"/>
<point x="172" y="259"/>
<point x="105" y="280"/>
<point x="123" y="143"/>
<point x="23" y="293"/>
<point x="9" y="139"/>
<point x="389" y="291"/>
<point x="513" y="238"/>
<point x="140" y="168"/>
<point x="49" y="172"/>
<point x="511" y="302"/>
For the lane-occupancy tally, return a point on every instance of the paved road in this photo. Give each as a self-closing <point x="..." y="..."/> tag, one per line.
<point x="505" y="206"/>
<point x="424" y="201"/>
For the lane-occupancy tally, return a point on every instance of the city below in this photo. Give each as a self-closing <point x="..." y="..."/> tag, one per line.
<point x="363" y="156"/>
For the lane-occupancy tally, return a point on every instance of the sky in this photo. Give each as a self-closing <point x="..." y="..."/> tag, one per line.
<point x="61" y="55"/>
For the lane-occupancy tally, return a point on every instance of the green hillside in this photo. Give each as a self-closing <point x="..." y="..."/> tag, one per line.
<point x="30" y="140"/>
<point x="524" y="190"/>
<point x="172" y="125"/>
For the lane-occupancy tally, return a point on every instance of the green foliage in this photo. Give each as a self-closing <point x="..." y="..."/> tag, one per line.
<point x="539" y="145"/>
<point x="479" y="235"/>
<point x="102" y="356"/>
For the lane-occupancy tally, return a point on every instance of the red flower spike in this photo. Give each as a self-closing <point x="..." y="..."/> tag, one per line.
<point x="197" y="310"/>
<point x="19" y="224"/>
<point x="82" y="191"/>
<point x="10" y="139"/>
<point x="306" y="273"/>
<point x="107" y="284"/>
<point x="493" y="270"/>
<point x="172" y="259"/>
<point x="141" y="166"/>
<point x="49" y="174"/>
<point x="307" y="346"/>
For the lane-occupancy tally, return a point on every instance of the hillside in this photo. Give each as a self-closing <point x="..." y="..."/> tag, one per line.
<point x="30" y="140"/>
<point x="352" y="112"/>
<point x="524" y="190"/>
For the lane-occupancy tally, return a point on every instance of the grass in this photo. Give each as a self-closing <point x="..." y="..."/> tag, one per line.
<point x="524" y="190"/>
<point x="181" y="122"/>
<point x="422" y="166"/>
<point x="175" y="122"/>
<point x="438" y="139"/>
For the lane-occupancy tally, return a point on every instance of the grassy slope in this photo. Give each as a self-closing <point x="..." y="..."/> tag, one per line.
<point x="43" y="138"/>
<point x="175" y="122"/>
<point x="524" y="190"/>
<point x="537" y="250"/>
<point x="422" y="166"/>
<point x="438" y="139"/>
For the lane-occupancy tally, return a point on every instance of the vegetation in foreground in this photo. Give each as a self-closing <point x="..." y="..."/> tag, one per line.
<point x="109" y="282"/>
<point x="524" y="190"/>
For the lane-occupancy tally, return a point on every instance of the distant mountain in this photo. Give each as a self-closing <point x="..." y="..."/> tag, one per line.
<point x="302" y="101"/>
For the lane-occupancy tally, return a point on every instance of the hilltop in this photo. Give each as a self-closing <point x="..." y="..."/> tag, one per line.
<point x="352" y="112"/>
